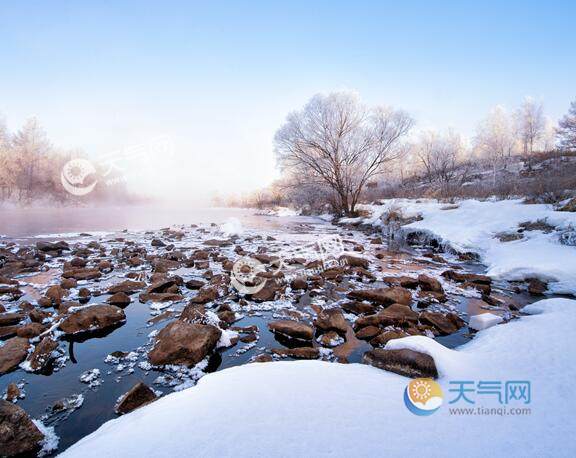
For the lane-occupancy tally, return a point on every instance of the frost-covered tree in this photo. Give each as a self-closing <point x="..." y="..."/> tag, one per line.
<point x="440" y="154"/>
<point x="530" y="124"/>
<point x="495" y="139"/>
<point x="337" y="141"/>
<point x="566" y="131"/>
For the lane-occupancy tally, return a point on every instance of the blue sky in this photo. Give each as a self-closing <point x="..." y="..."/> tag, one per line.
<point x="220" y="78"/>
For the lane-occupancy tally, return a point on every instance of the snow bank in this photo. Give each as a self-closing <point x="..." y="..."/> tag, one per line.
<point x="472" y="227"/>
<point x="314" y="408"/>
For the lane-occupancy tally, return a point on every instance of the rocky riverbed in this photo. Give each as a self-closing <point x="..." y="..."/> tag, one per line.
<point x="96" y="326"/>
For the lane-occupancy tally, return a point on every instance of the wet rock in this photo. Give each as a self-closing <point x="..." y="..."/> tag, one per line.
<point x="194" y="284"/>
<point x="383" y="338"/>
<point x="42" y="355"/>
<point x="157" y="243"/>
<point x="359" y="308"/>
<point x="7" y="319"/>
<point x="138" y="396"/>
<point x="408" y="363"/>
<point x="93" y="318"/>
<point x="218" y="243"/>
<point x="31" y="330"/>
<point x="428" y="283"/>
<point x="38" y="316"/>
<point x="119" y="299"/>
<point x="463" y="277"/>
<point x="263" y="358"/>
<point x="537" y="287"/>
<point x="84" y="295"/>
<point x="205" y="294"/>
<point x="404" y="281"/>
<point x="127" y="287"/>
<point x="8" y="331"/>
<point x="45" y="302"/>
<point x="160" y="297"/>
<point x="48" y="246"/>
<point x="298" y="353"/>
<point x="56" y="293"/>
<point x="367" y="333"/>
<point x="330" y="339"/>
<point x="78" y="262"/>
<point x="227" y="316"/>
<point x="293" y="329"/>
<point x="82" y="274"/>
<point x="26" y="306"/>
<point x="12" y="353"/>
<point x="384" y="296"/>
<point x="68" y="283"/>
<point x="396" y="315"/>
<point x="426" y="298"/>
<point x="354" y="261"/>
<point x="105" y="266"/>
<point x="183" y="343"/>
<point x="12" y="392"/>
<point x="19" y="436"/>
<point x="194" y="313"/>
<point x="66" y="305"/>
<point x="483" y="288"/>
<point x="268" y="292"/>
<point x="331" y="320"/>
<point x="299" y="283"/>
<point x="135" y="261"/>
<point x="446" y="324"/>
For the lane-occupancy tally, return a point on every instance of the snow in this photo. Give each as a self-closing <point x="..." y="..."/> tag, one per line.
<point x="315" y="408"/>
<point x="50" y="441"/>
<point x="472" y="227"/>
<point x="231" y="227"/>
<point x="484" y="321"/>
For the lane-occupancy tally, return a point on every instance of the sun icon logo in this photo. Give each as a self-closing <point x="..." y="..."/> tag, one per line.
<point x="73" y="175"/>
<point x="423" y="396"/>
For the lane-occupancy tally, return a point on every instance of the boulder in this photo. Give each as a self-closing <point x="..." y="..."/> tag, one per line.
<point x="354" y="261"/>
<point x="268" y="292"/>
<point x="428" y="283"/>
<point x="127" y="287"/>
<point x="8" y="319"/>
<point x="12" y="392"/>
<point x="383" y="338"/>
<point x="537" y="287"/>
<point x="194" y="313"/>
<point x="194" y="284"/>
<point x="12" y="353"/>
<point x="298" y="353"/>
<point x="396" y="314"/>
<point x="19" y="436"/>
<point x="183" y="343"/>
<point x="293" y="329"/>
<point x="205" y="294"/>
<point x="383" y="296"/>
<point x="299" y="283"/>
<point x="82" y="274"/>
<point x="139" y="395"/>
<point x="446" y="324"/>
<point x="93" y="318"/>
<point x="31" y="330"/>
<point x="42" y="355"/>
<point x="331" y="320"/>
<point x="157" y="243"/>
<point x="119" y="299"/>
<point x="462" y="277"/>
<point x="359" y="308"/>
<point x="408" y="363"/>
<point x="404" y="281"/>
<point x="367" y="333"/>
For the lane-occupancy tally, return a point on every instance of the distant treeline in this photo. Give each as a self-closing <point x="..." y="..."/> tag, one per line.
<point x="31" y="168"/>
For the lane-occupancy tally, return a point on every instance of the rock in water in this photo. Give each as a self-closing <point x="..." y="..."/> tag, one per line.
<point x="12" y="353"/>
<point x="292" y="329"/>
<point x="18" y="435"/>
<point x="139" y="395"/>
<point x="384" y="296"/>
<point x="42" y="355"/>
<point x="93" y="318"/>
<point x="183" y="343"/>
<point x="331" y="320"/>
<point x="408" y="363"/>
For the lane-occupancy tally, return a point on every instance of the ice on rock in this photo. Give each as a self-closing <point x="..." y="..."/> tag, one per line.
<point x="484" y="321"/>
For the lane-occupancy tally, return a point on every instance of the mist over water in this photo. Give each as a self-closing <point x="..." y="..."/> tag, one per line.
<point x="27" y="222"/>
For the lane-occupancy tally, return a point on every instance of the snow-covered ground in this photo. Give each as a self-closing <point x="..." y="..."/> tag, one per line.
<point x="313" y="408"/>
<point x="471" y="225"/>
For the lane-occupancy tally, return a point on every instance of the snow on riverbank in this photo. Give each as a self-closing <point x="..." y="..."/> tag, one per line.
<point x="313" y="408"/>
<point x="471" y="225"/>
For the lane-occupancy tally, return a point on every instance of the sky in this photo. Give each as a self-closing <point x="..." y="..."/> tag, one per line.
<point x="219" y="78"/>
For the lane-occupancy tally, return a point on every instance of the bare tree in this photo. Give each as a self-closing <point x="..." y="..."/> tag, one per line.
<point x="337" y="141"/>
<point x="495" y="141"/>
<point x="530" y="124"/>
<point x="566" y="131"/>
